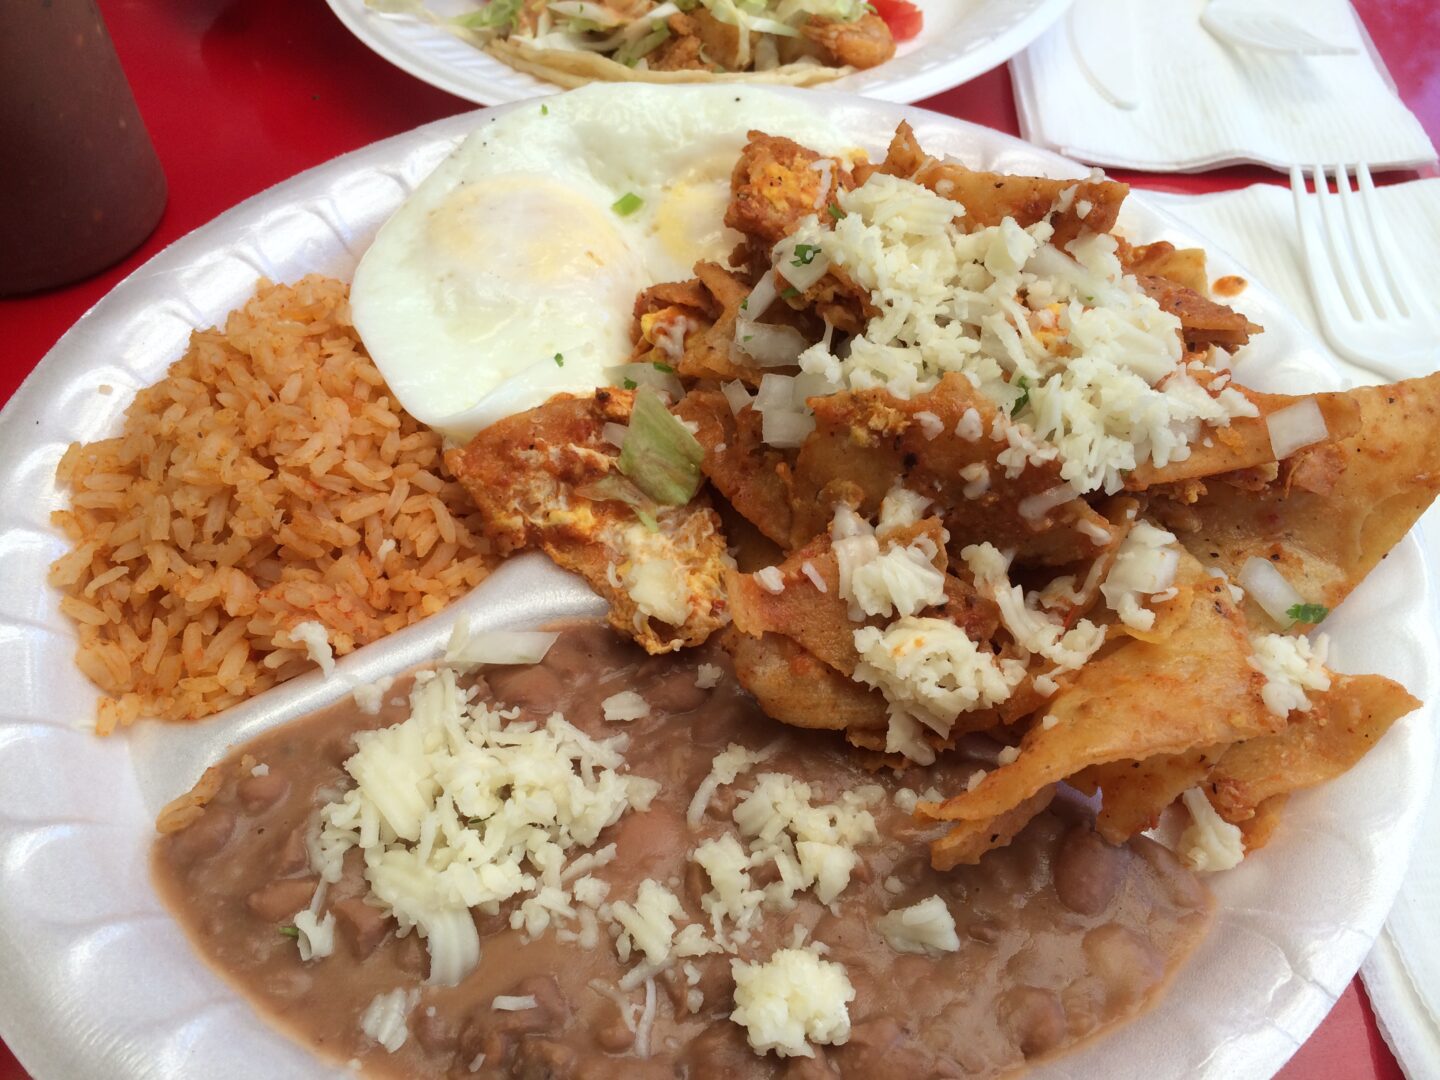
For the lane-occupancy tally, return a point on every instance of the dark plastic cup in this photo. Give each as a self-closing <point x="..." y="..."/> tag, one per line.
<point x="80" y="185"/>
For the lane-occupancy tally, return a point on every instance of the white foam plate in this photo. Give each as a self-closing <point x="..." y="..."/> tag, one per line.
<point x="960" y="40"/>
<point x="100" y="984"/>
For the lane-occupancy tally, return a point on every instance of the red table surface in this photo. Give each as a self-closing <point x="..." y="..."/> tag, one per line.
<point x="241" y="94"/>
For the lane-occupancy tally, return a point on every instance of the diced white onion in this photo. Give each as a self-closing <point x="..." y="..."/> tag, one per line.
<point x="786" y="429"/>
<point x="497" y="646"/>
<point x="1269" y="588"/>
<point x="736" y="394"/>
<point x="614" y="433"/>
<point x="760" y="298"/>
<point x="1034" y="507"/>
<point x="804" y="275"/>
<point x="1295" y="427"/>
<point x="769" y="345"/>
<point x="647" y="375"/>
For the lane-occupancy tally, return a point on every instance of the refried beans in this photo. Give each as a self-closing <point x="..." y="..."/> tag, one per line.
<point x="1060" y="934"/>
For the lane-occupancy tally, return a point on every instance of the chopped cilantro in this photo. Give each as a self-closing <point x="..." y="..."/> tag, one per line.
<point x="1024" y="399"/>
<point x="805" y="254"/>
<point x="629" y="384"/>
<point x="836" y="212"/>
<point x="559" y="359"/>
<point x="666" y="368"/>
<point x="544" y="110"/>
<point x="790" y="292"/>
<point x="627" y="204"/>
<point x="1308" y="613"/>
<point x="289" y="931"/>
<point x="745" y="304"/>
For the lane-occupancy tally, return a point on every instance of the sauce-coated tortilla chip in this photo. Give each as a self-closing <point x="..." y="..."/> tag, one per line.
<point x="1245" y="443"/>
<point x="1194" y="689"/>
<point x="872" y="440"/>
<point x="1346" y="722"/>
<point x="969" y="840"/>
<point x="819" y="619"/>
<point x="526" y="475"/>
<point x="1135" y="793"/>
<point x="707" y="350"/>
<point x="754" y="477"/>
<point x="989" y="198"/>
<point x="794" y="687"/>
<point x="1203" y="322"/>
<point x="1325" y="544"/>
<point x="774" y="186"/>
<point x="1162" y="259"/>
<point x="1256" y="831"/>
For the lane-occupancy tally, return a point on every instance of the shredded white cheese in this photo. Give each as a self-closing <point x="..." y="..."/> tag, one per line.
<point x="770" y="579"/>
<point x="461" y="806"/>
<point x="1145" y="565"/>
<point x="1291" y="666"/>
<point x="930" y="424"/>
<point x="624" y="706"/>
<point x="386" y="1018"/>
<point x="653" y="577"/>
<point x="316" y="639"/>
<point x="1034" y="630"/>
<point x="926" y="927"/>
<point x="514" y="1003"/>
<point x="1209" y="843"/>
<point x="792" y="1000"/>
<point x="933" y="670"/>
<point x="1101" y="360"/>
<point x="707" y="676"/>
<point x="370" y="696"/>
<point x="724" y="768"/>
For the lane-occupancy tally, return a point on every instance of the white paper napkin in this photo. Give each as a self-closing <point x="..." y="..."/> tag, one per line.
<point x="1257" y="227"/>
<point x="1203" y="103"/>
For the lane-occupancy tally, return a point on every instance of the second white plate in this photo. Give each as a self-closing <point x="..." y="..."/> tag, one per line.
<point x="961" y="39"/>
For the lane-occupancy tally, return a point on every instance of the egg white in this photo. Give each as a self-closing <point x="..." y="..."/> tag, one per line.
<point x="509" y="275"/>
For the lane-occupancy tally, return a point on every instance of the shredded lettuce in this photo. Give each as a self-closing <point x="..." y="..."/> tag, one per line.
<point x="494" y="15"/>
<point x="631" y="52"/>
<point x="615" y="488"/>
<point x="659" y="453"/>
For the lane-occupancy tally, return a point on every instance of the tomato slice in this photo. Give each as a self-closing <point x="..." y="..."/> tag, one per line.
<point x="903" y="17"/>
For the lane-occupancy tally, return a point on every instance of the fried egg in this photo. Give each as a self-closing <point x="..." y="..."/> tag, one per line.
<point x="509" y="275"/>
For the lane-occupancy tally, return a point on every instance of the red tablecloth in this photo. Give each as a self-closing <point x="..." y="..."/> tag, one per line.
<point x="241" y="94"/>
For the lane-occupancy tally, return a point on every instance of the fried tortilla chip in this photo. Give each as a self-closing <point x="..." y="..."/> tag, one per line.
<point x="1346" y="722"/>
<point x="819" y="618"/>
<point x="707" y="351"/>
<point x="1245" y="443"/>
<point x="988" y="198"/>
<point x="796" y="688"/>
<point x="1135" y="701"/>
<point x="1325" y="544"/>
<point x="1135" y="793"/>
<point x="968" y="841"/>
<point x="1162" y="259"/>
<point x="754" y="477"/>
<point x="1203" y="322"/>
<point x="527" y="474"/>
<point x="871" y="440"/>
<point x="773" y="187"/>
<point x="1256" y="831"/>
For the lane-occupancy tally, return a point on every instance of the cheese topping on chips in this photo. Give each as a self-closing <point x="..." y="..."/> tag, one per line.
<point x="1064" y="340"/>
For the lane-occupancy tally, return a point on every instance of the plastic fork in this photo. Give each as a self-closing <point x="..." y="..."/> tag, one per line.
<point x="1238" y="23"/>
<point x="1369" y="300"/>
